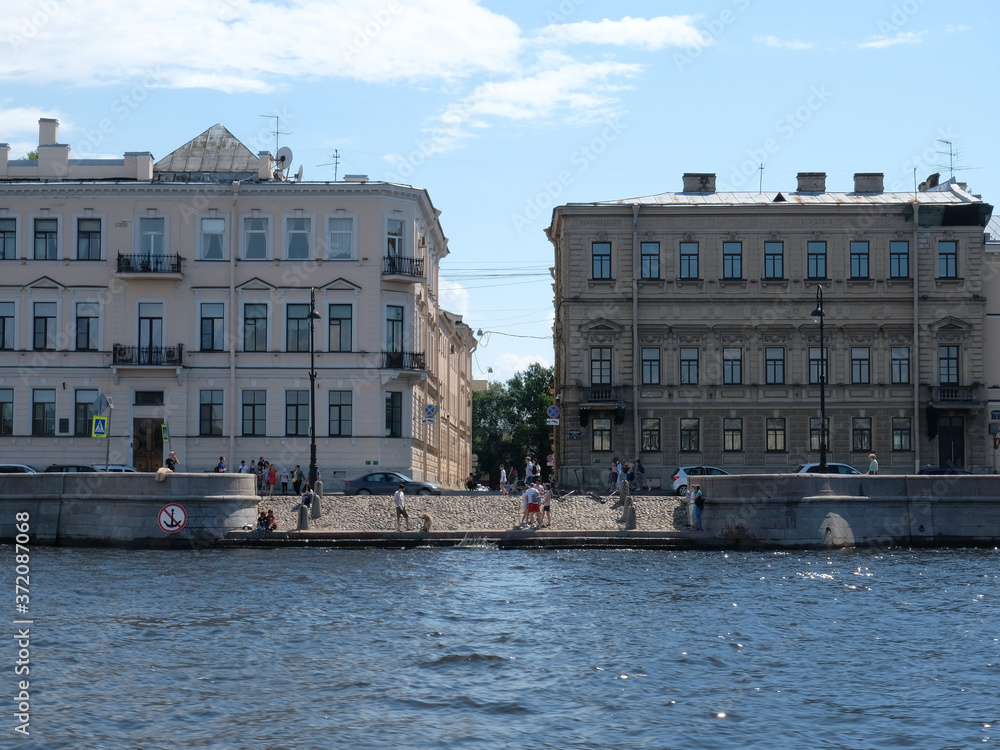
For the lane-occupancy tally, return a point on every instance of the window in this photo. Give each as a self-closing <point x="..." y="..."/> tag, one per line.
<point x="900" y="364"/>
<point x="393" y="328"/>
<point x="650" y="429"/>
<point x="732" y="260"/>
<point x="689" y="260"/>
<point x="256" y="237"/>
<point x="254" y="413"/>
<point x="43" y="411"/>
<point x="340" y="239"/>
<point x="860" y="365"/>
<point x="255" y="328"/>
<point x="88" y="239"/>
<point x="45" y="325"/>
<point x="87" y="320"/>
<point x="775" y="428"/>
<point x="6" y="325"/>
<point x="212" y="327"/>
<point x="774" y="365"/>
<point x="341" y="413"/>
<point x="8" y="239"/>
<point x="210" y="413"/>
<point x="340" y="328"/>
<point x="149" y="398"/>
<point x="650" y="260"/>
<point x="818" y="365"/>
<point x="732" y="434"/>
<point x="84" y="411"/>
<point x="689" y="366"/>
<point x="948" y="259"/>
<point x="297" y="413"/>
<point x="601" y="260"/>
<point x="900" y="434"/>
<point x="650" y="366"/>
<point x="948" y="365"/>
<point x="46" y="239"/>
<point x="861" y="434"/>
<point x="151" y="237"/>
<point x="213" y="234"/>
<point x="816" y="433"/>
<point x="393" y="414"/>
<point x="6" y="411"/>
<point x="732" y="365"/>
<point x="859" y="259"/>
<point x="601" y="435"/>
<point x="297" y="237"/>
<point x="297" y="328"/>
<point x="394" y="238"/>
<point x="816" y="259"/>
<point x="899" y="259"/>
<point x="774" y="260"/>
<point x="689" y="434"/>
<point x="600" y="365"/>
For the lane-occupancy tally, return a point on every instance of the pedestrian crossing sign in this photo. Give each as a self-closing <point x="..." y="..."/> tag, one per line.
<point x="100" y="427"/>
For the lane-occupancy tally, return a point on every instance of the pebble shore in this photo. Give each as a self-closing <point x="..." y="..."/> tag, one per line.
<point x="479" y="511"/>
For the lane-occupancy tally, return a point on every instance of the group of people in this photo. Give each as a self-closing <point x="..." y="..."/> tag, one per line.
<point x="399" y="500"/>
<point x="695" y="502"/>
<point x="267" y="521"/>
<point x="632" y="472"/>
<point x="536" y="504"/>
<point x="269" y="476"/>
<point x="532" y="473"/>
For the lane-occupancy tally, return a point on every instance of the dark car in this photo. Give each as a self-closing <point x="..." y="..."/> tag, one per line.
<point x="942" y="470"/>
<point x="68" y="468"/>
<point x="386" y="483"/>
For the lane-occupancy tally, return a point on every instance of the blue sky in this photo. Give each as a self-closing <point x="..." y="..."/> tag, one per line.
<point x="502" y="110"/>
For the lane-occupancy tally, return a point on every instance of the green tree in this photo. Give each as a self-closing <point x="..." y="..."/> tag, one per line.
<point x="508" y="422"/>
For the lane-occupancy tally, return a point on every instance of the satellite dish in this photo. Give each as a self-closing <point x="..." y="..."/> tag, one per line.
<point x="283" y="158"/>
<point x="298" y="175"/>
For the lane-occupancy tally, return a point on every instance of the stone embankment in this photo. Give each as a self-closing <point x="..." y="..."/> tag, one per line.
<point x="482" y="511"/>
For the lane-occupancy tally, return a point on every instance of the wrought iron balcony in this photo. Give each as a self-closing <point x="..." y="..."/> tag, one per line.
<point x="165" y="356"/>
<point x="608" y="395"/>
<point x="955" y="397"/>
<point x="403" y="361"/>
<point x="149" y="263"/>
<point x="398" y="265"/>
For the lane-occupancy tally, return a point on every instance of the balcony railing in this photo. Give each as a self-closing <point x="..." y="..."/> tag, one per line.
<point x="168" y="356"/>
<point x="398" y="265"/>
<point x="149" y="263"/>
<point x="955" y="397"/>
<point x="403" y="361"/>
<point x="603" y="395"/>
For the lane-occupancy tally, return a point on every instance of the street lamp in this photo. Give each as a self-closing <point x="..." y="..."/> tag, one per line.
<point x="313" y="317"/>
<point x="817" y="316"/>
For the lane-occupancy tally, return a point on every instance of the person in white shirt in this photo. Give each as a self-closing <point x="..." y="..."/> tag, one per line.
<point x="503" y="480"/>
<point x="400" y="499"/>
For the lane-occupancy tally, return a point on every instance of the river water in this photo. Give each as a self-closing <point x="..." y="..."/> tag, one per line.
<point x="476" y="648"/>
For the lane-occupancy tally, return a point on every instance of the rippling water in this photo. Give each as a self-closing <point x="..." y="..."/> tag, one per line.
<point x="471" y="648"/>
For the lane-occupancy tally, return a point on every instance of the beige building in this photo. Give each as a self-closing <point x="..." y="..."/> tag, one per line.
<point x="684" y="332"/>
<point x="182" y="290"/>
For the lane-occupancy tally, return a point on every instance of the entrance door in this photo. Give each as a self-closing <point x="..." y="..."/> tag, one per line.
<point x="951" y="442"/>
<point x="147" y="444"/>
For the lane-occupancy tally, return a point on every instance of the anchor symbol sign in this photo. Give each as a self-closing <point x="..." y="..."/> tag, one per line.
<point x="172" y="518"/>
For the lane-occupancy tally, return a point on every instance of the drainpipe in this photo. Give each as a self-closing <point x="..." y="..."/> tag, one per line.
<point x="234" y="244"/>
<point x="636" y="369"/>
<point x="915" y="372"/>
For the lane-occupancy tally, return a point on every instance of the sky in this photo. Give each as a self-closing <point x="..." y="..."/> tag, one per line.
<point x="504" y="110"/>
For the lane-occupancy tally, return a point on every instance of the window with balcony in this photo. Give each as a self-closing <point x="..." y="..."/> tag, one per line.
<point x="601" y="260"/>
<point x="394" y="238"/>
<point x="394" y="328"/>
<point x="650" y="260"/>
<point x="210" y="413"/>
<point x="688" y="256"/>
<point x="816" y="259"/>
<point x="340" y="328"/>
<point x="88" y="239"/>
<point x="600" y="365"/>
<point x="46" y="239"/>
<point x="152" y="233"/>
<point x="87" y="326"/>
<point x="341" y="413"/>
<point x="732" y="260"/>
<point x="948" y="365"/>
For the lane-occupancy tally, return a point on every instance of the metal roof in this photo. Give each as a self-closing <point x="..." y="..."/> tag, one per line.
<point x="215" y="150"/>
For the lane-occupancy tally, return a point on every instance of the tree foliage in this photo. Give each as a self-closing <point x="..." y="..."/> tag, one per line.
<point x="508" y="422"/>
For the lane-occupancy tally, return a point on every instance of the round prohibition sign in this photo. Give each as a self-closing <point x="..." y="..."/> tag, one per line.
<point x="172" y="518"/>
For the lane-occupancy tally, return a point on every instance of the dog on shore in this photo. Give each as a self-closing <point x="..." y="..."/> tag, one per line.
<point x="428" y="521"/>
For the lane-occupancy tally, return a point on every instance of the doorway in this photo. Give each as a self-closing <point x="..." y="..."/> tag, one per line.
<point x="951" y="442"/>
<point x="147" y="443"/>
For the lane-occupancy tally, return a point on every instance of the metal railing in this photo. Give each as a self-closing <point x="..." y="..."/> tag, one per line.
<point x="398" y="265"/>
<point x="610" y="394"/>
<point x="169" y="356"/>
<point x="149" y="263"/>
<point x="403" y="361"/>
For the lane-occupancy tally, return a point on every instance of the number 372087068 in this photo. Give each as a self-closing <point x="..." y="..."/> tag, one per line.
<point x="21" y="560"/>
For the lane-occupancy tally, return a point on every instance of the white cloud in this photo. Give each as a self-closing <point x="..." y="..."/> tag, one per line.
<point x="903" y="37"/>
<point x="950" y="29"/>
<point x="773" y="41"/>
<point x="647" y="33"/>
<point x="507" y="365"/>
<point x="454" y="297"/>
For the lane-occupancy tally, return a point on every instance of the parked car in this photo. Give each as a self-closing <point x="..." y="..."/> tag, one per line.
<point x="680" y="476"/>
<point x="68" y="468"/>
<point x="17" y="469"/>
<point x="942" y="470"/>
<point x="386" y="483"/>
<point x="115" y="468"/>
<point x="831" y="468"/>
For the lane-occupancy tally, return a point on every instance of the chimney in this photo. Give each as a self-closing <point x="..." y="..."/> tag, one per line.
<point x="48" y="131"/>
<point x="812" y="182"/>
<point x="869" y="182"/>
<point x="139" y="164"/>
<point x="4" y="158"/>
<point x="265" y="171"/>
<point x="930" y="182"/>
<point x="699" y="182"/>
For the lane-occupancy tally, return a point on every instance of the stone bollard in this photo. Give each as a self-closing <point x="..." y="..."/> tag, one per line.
<point x="628" y="516"/>
<point x="317" y="497"/>
<point x="303" y="518"/>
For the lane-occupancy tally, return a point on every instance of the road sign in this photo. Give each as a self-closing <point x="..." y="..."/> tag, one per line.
<point x="99" y="428"/>
<point x="428" y="420"/>
<point x="430" y="410"/>
<point x="552" y="412"/>
<point x="172" y="518"/>
<point x="552" y="422"/>
<point x="166" y="433"/>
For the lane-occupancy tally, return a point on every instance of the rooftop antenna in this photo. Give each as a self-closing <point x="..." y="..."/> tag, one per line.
<point x="335" y="163"/>
<point x="760" y="182"/>
<point x="277" y="130"/>
<point x="953" y="154"/>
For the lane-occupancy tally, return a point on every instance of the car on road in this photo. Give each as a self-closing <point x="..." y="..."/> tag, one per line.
<point x="68" y="468"/>
<point x="831" y="468"/>
<point x="386" y="483"/>
<point x="122" y="468"/>
<point x="17" y="469"/>
<point x="942" y="470"/>
<point x="680" y="475"/>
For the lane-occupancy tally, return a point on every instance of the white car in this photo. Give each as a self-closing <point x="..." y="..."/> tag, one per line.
<point x="122" y="468"/>
<point x="680" y="475"/>
<point x="17" y="469"/>
<point x="831" y="468"/>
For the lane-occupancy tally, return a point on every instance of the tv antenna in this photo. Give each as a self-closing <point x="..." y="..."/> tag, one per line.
<point x="953" y="154"/>
<point x="335" y="163"/>
<point x="277" y="129"/>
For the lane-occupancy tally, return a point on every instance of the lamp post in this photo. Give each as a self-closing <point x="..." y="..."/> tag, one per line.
<point x="313" y="317"/>
<point x="817" y="316"/>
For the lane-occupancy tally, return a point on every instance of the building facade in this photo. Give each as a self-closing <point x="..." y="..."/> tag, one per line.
<point x="196" y="293"/>
<point x="684" y="332"/>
